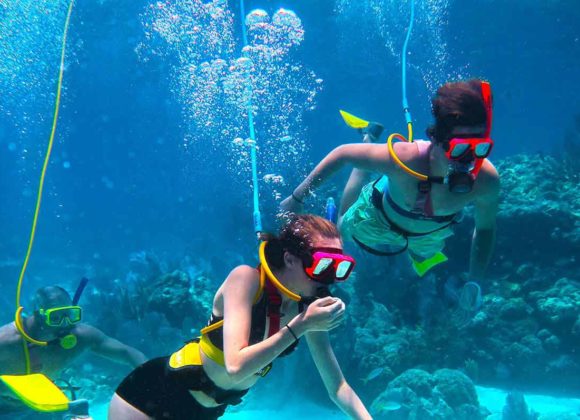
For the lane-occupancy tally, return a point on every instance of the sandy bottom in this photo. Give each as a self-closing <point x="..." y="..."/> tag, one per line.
<point x="492" y="398"/>
<point x="305" y="411"/>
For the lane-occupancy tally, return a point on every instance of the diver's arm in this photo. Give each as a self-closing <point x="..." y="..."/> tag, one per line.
<point x="110" y="348"/>
<point x="338" y="389"/>
<point x="483" y="242"/>
<point x="366" y="156"/>
<point x="10" y="348"/>
<point x="243" y="360"/>
<point x="6" y="343"/>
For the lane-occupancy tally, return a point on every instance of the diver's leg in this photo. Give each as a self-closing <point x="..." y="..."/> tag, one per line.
<point x="358" y="178"/>
<point x="122" y="410"/>
<point x="425" y="252"/>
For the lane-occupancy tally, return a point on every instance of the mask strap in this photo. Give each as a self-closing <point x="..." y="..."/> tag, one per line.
<point x="477" y="167"/>
<point x="486" y="93"/>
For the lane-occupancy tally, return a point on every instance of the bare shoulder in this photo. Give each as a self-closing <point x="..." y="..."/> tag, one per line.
<point x="406" y="151"/>
<point x="489" y="180"/>
<point x="88" y="334"/>
<point x="9" y="335"/>
<point x="244" y="271"/>
<point x="10" y="342"/>
<point x="243" y="277"/>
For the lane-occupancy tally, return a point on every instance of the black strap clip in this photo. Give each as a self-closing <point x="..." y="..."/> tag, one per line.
<point x="265" y="370"/>
<point x="424" y="187"/>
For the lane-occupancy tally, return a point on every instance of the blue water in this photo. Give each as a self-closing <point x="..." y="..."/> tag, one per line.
<point x="151" y="157"/>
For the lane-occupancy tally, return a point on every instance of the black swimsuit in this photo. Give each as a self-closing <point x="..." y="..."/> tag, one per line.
<point x="377" y="201"/>
<point x="162" y="392"/>
<point x="257" y="329"/>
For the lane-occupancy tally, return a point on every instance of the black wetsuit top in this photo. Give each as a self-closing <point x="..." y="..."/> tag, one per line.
<point x="257" y="328"/>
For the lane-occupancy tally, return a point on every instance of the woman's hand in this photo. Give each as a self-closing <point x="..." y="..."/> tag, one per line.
<point x="292" y="205"/>
<point x="323" y="314"/>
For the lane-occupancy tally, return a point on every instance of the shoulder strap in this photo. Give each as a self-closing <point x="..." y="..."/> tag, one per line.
<point x="423" y="204"/>
<point x="262" y="275"/>
<point x="273" y="311"/>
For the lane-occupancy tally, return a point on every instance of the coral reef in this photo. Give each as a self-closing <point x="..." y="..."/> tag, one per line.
<point x="416" y="394"/>
<point x="174" y="294"/>
<point x="544" y="192"/>
<point x="516" y="408"/>
<point x="157" y="306"/>
<point x="526" y="331"/>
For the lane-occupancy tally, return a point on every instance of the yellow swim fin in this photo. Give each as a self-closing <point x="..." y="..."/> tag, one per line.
<point x="353" y="121"/>
<point x="422" y="267"/>
<point x="37" y="392"/>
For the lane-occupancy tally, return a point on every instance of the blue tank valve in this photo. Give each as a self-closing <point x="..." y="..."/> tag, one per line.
<point x="331" y="210"/>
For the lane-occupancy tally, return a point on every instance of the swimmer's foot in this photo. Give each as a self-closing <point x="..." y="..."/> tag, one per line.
<point x="421" y="266"/>
<point x="372" y="132"/>
<point x="369" y="130"/>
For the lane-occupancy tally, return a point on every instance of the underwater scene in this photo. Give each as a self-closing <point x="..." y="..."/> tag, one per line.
<point x="281" y="209"/>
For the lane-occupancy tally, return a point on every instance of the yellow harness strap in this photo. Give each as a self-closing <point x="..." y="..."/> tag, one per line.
<point x="211" y="351"/>
<point x="37" y="392"/>
<point x="188" y="355"/>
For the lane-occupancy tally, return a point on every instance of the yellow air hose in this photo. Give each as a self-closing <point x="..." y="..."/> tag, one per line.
<point x="273" y="278"/>
<point x="396" y="158"/>
<point x="17" y="316"/>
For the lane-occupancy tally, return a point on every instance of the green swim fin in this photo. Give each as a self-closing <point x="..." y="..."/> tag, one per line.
<point x="353" y="121"/>
<point x="422" y="267"/>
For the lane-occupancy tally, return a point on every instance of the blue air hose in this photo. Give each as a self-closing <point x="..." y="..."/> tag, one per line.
<point x="331" y="210"/>
<point x="404" y="66"/>
<point x="256" y="214"/>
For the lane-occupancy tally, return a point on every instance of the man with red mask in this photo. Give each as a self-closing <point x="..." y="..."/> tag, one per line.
<point x="424" y="185"/>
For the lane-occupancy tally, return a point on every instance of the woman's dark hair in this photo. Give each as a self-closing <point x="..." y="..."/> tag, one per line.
<point x="297" y="236"/>
<point x="456" y="104"/>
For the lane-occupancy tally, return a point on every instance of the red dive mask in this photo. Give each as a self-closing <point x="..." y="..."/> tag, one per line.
<point x="470" y="150"/>
<point x="328" y="265"/>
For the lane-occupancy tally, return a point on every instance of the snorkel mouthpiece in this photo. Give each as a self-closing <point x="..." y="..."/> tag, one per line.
<point x="68" y="342"/>
<point x="460" y="179"/>
<point x="460" y="182"/>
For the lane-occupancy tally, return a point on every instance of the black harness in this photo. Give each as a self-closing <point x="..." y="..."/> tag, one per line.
<point x="377" y="202"/>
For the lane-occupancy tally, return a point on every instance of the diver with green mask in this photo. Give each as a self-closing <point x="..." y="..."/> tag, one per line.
<point x="55" y="323"/>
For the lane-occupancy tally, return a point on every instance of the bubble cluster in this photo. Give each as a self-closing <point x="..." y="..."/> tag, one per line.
<point x="192" y="30"/>
<point x="219" y="83"/>
<point x="390" y="18"/>
<point x="30" y="42"/>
